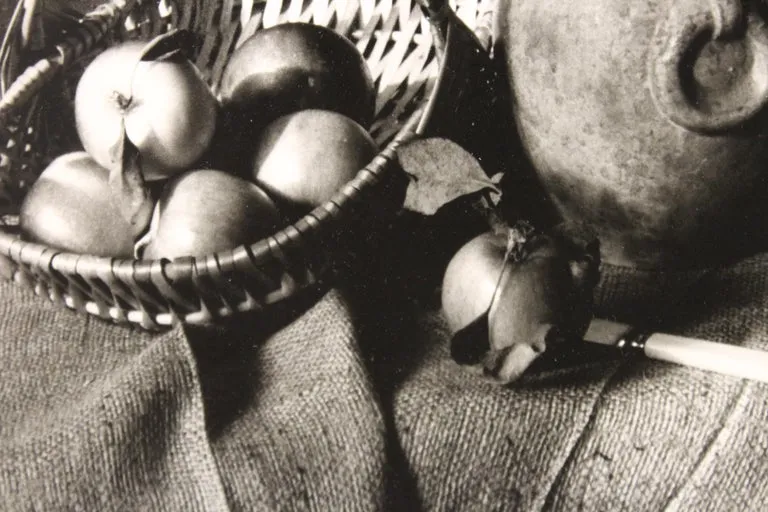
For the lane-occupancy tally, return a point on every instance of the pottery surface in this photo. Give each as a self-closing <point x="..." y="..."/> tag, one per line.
<point x="645" y="120"/>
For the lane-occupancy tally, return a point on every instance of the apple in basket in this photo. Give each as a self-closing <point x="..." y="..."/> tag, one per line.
<point x="296" y="66"/>
<point x="303" y="158"/>
<point x="204" y="211"/>
<point x="70" y="207"/>
<point x="508" y="297"/>
<point x="153" y="93"/>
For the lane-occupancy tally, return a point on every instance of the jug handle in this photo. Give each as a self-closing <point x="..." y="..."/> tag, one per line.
<point x="689" y="26"/>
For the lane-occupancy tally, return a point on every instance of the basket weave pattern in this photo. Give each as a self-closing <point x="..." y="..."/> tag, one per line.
<point x="396" y="39"/>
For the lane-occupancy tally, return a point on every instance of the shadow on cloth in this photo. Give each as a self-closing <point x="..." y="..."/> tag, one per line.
<point x="394" y="297"/>
<point x="227" y="355"/>
<point x="279" y="388"/>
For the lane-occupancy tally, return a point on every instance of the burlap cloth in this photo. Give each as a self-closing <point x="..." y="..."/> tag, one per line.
<point x="354" y="404"/>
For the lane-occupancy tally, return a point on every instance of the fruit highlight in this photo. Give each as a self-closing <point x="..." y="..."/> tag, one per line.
<point x="305" y="157"/>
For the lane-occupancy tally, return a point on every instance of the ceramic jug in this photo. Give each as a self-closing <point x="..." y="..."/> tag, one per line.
<point x="645" y="120"/>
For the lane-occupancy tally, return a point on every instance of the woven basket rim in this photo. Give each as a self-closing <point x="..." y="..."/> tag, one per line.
<point x="362" y="180"/>
<point x="386" y="153"/>
<point x="299" y="250"/>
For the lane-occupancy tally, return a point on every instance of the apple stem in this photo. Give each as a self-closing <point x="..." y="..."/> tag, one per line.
<point x="164" y="47"/>
<point x="518" y="237"/>
<point x="123" y="102"/>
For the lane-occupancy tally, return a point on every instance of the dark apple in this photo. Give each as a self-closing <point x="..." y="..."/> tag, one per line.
<point x="296" y="66"/>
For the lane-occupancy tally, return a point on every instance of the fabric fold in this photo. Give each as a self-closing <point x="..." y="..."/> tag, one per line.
<point x="98" y="417"/>
<point x="603" y="432"/>
<point x="295" y="423"/>
<point x="350" y="401"/>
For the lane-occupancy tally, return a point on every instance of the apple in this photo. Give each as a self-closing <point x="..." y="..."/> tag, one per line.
<point x="522" y="306"/>
<point x="204" y="211"/>
<point x="297" y="66"/>
<point x="69" y="207"/>
<point x="303" y="158"/>
<point x="471" y="278"/>
<point x="168" y="109"/>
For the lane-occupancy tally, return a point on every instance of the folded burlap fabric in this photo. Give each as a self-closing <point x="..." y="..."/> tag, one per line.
<point x="603" y="433"/>
<point x="352" y="403"/>
<point x="100" y="417"/>
<point x="97" y="417"/>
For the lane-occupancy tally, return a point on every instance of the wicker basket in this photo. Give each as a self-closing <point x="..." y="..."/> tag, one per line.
<point x="420" y="57"/>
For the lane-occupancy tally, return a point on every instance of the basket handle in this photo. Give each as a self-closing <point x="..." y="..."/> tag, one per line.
<point x="469" y="105"/>
<point x="32" y="30"/>
<point x="439" y="12"/>
<point x="27" y="31"/>
<point x="89" y="29"/>
<point x="23" y="25"/>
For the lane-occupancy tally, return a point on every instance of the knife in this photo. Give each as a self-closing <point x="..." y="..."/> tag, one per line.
<point x="733" y="360"/>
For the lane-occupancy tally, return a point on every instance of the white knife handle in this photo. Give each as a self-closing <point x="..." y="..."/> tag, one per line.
<point x="707" y="355"/>
<point x="722" y="358"/>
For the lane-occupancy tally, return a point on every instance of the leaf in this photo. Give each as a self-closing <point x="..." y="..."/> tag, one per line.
<point x="440" y="171"/>
<point x="173" y="44"/>
<point x="127" y="185"/>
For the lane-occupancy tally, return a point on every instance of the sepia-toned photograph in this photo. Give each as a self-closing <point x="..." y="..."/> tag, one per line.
<point x="384" y="255"/>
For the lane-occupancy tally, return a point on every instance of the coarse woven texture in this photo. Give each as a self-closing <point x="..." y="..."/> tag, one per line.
<point x="99" y="417"/>
<point x="352" y="403"/>
<point x="605" y="433"/>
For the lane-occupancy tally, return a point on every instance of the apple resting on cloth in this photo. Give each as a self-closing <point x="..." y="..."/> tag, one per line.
<point x="509" y="297"/>
<point x="297" y="66"/>
<point x="70" y="207"/>
<point x="205" y="211"/>
<point x="304" y="158"/>
<point x="168" y="109"/>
